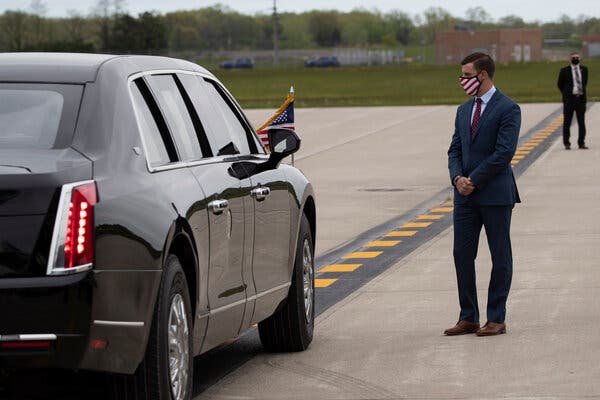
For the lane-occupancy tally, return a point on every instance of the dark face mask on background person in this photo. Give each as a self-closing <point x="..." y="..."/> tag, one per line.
<point x="575" y="60"/>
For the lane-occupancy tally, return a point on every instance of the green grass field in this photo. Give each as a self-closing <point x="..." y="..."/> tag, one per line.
<point x="408" y="84"/>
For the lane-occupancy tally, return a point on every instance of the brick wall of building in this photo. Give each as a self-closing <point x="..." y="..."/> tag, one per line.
<point x="507" y="45"/>
<point x="591" y="46"/>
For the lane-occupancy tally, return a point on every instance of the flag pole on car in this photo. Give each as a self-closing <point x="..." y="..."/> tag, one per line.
<point x="282" y="119"/>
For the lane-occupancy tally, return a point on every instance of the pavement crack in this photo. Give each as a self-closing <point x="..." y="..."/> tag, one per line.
<point x="342" y="381"/>
<point x="413" y="117"/>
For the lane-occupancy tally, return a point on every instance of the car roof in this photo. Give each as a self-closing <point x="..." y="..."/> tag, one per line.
<point x="78" y="67"/>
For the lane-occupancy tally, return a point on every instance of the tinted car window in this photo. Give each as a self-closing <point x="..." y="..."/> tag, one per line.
<point x="225" y="132"/>
<point x="178" y="119"/>
<point x="156" y="152"/>
<point x="38" y="116"/>
<point x="236" y="130"/>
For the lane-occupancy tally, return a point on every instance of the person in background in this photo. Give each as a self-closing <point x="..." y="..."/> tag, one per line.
<point x="572" y="81"/>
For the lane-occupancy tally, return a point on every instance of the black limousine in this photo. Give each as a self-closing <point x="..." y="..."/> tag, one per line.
<point x="142" y="222"/>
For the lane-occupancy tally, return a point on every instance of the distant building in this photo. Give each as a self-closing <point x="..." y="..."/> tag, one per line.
<point x="506" y="45"/>
<point x="591" y="45"/>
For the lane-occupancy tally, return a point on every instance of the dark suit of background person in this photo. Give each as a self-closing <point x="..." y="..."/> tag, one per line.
<point x="484" y="161"/>
<point x="574" y="99"/>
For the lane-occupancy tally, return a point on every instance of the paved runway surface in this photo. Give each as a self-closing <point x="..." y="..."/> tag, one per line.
<point x="384" y="341"/>
<point x="370" y="164"/>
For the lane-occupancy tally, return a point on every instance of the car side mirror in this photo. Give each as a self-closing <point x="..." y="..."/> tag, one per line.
<point x="283" y="142"/>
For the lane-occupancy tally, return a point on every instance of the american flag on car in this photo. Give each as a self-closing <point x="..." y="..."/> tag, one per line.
<point x="282" y="119"/>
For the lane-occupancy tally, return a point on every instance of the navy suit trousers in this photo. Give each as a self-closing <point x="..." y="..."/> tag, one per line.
<point x="468" y="220"/>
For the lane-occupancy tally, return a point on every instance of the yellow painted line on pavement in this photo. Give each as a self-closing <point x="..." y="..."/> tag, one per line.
<point x="323" y="283"/>
<point x="363" y="254"/>
<point x="401" y="233"/>
<point x="383" y="243"/>
<point x="340" y="268"/>
<point x="416" y="225"/>
<point x="425" y="220"/>
<point x="430" y="216"/>
<point x="442" y="209"/>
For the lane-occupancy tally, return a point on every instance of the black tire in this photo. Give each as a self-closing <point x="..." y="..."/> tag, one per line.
<point x="289" y="329"/>
<point x="151" y="380"/>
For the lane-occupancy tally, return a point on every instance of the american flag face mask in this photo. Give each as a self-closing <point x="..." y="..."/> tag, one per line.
<point x="470" y="85"/>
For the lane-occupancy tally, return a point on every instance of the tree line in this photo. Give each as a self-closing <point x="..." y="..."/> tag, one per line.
<point x="110" y="28"/>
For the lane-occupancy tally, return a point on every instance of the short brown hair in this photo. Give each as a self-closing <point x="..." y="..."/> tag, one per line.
<point x="481" y="61"/>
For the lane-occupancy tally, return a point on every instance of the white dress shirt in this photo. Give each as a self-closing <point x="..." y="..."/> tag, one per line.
<point x="575" y="71"/>
<point x="485" y="99"/>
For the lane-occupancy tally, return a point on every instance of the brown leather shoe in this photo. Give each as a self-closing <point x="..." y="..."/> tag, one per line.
<point x="491" y="329"/>
<point x="462" y="327"/>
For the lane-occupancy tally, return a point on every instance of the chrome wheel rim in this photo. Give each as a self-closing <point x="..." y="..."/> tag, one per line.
<point x="308" y="280"/>
<point x="179" y="356"/>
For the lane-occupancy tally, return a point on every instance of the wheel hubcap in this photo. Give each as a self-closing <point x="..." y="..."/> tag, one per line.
<point x="307" y="279"/>
<point x="178" y="348"/>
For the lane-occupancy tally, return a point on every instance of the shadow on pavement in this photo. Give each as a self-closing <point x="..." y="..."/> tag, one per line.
<point x="68" y="385"/>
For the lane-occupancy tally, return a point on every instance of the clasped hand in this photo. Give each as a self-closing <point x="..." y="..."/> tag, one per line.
<point x="465" y="186"/>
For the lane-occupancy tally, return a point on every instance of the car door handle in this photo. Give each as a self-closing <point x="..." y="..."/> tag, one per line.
<point x="218" y="206"/>
<point x="260" y="193"/>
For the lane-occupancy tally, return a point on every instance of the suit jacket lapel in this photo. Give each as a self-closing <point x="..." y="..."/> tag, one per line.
<point x="488" y="110"/>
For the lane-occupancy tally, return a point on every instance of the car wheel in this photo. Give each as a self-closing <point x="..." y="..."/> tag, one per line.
<point x="291" y="328"/>
<point x="166" y="372"/>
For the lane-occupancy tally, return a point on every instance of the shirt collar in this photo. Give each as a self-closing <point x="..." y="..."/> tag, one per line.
<point x="488" y="95"/>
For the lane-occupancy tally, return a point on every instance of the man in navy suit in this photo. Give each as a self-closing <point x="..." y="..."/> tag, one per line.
<point x="572" y="81"/>
<point x="486" y="132"/>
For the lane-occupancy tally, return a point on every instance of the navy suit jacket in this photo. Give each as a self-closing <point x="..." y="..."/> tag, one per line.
<point x="486" y="158"/>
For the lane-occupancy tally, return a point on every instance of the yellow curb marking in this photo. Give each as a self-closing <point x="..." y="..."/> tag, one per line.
<point x="383" y="243"/>
<point x="401" y="233"/>
<point x="363" y="254"/>
<point x="416" y="225"/>
<point x="520" y="154"/>
<point x="431" y="216"/>
<point x="321" y="283"/>
<point x="442" y="209"/>
<point x="340" y="268"/>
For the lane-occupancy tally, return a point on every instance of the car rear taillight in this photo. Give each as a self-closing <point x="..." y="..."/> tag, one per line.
<point x="72" y="248"/>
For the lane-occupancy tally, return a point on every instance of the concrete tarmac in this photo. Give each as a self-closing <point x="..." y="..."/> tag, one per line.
<point x="385" y="340"/>
<point x="370" y="164"/>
